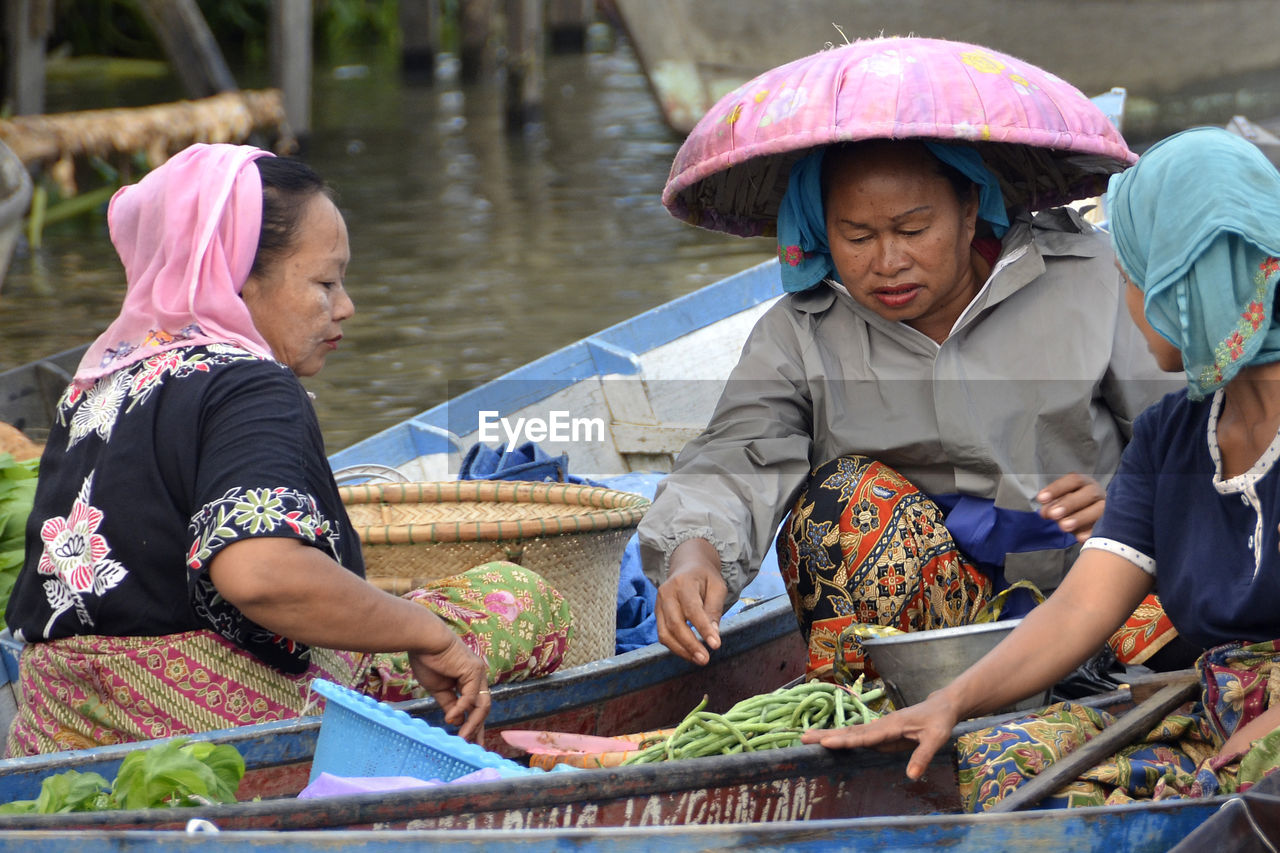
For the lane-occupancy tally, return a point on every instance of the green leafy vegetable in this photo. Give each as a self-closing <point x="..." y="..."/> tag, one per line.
<point x="71" y="791"/>
<point x="17" y="492"/>
<point x="173" y="774"/>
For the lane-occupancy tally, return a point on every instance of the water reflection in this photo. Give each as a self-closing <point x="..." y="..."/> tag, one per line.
<point x="473" y="251"/>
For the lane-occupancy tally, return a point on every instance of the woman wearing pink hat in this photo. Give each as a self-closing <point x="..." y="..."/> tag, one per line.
<point x="949" y="376"/>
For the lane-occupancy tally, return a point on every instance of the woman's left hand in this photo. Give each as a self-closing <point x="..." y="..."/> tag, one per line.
<point x="1075" y="502"/>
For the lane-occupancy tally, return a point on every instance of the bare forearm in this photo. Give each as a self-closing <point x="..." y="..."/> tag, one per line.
<point x="1054" y="638"/>
<point x="299" y="592"/>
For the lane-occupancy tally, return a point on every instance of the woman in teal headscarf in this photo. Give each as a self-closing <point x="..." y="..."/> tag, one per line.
<point x="1193" y="511"/>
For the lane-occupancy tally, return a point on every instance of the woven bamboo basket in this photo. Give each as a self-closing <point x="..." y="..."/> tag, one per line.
<point x="573" y="535"/>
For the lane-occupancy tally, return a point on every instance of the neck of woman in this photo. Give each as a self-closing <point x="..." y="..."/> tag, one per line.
<point x="1250" y="417"/>
<point x="939" y="327"/>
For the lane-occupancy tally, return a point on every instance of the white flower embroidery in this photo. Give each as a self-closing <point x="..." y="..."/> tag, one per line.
<point x="100" y="408"/>
<point x="75" y="554"/>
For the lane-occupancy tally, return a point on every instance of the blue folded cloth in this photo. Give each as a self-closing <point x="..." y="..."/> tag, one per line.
<point x="637" y="596"/>
<point x="526" y="462"/>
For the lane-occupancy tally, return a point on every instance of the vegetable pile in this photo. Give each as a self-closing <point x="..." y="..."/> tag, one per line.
<point x="175" y="773"/>
<point x="17" y="491"/>
<point x="769" y="721"/>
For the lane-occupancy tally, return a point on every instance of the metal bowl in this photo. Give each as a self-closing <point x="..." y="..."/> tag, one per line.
<point x="915" y="664"/>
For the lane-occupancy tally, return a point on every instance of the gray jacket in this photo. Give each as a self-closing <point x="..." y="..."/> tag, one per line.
<point x="1042" y="375"/>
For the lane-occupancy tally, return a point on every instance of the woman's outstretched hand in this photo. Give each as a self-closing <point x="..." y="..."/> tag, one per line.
<point x="1075" y="502"/>
<point x="927" y="725"/>
<point x="459" y="680"/>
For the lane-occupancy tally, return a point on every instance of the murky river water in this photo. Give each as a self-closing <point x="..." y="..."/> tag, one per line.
<point x="474" y="251"/>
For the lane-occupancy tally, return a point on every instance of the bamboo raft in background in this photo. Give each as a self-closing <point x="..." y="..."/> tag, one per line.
<point x="158" y="131"/>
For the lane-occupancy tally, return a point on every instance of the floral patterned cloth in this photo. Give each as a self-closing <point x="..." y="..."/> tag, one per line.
<point x="1179" y="758"/>
<point x="508" y="615"/>
<point x="1144" y="633"/>
<point x="87" y="690"/>
<point x="863" y="545"/>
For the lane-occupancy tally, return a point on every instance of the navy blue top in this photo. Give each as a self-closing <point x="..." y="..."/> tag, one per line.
<point x="1211" y="544"/>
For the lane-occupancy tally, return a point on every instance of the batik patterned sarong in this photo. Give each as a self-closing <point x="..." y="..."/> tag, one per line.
<point x="863" y="545"/>
<point x="1179" y="758"/>
<point x="86" y="691"/>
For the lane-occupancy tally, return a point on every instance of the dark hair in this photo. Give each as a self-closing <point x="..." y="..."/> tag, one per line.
<point x="287" y="185"/>
<point x="964" y="188"/>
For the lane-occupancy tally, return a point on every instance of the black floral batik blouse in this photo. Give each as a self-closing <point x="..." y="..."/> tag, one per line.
<point x="149" y="474"/>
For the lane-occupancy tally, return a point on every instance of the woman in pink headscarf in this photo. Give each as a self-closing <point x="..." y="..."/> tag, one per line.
<point x="189" y="562"/>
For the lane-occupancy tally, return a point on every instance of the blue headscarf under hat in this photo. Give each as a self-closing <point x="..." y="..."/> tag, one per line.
<point x="1196" y="226"/>
<point x="802" y="222"/>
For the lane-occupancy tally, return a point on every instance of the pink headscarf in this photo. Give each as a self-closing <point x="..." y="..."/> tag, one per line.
<point x="187" y="234"/>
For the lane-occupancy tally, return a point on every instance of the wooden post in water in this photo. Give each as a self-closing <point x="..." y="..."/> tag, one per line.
<point x="291" y="61"/>
<point x="526" y="41"/>
<point x="190" y="46"/>
<point x="420" y="29"/>
<point x="567" y="22"/>
<point x="26" y="26"/>
<point x="475" y="51"/>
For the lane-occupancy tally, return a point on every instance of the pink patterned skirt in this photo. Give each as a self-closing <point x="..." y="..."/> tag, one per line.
<point x="91" y="690"/>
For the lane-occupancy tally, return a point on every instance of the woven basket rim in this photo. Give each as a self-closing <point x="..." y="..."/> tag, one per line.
<point x="604" y="509"/>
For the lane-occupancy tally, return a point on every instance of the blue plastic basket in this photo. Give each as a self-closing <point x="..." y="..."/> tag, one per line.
<point x="360" y="736"/>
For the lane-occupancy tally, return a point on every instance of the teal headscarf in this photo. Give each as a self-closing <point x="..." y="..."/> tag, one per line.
<point x="802" y="223"/>
<point x="1196" y="226"/>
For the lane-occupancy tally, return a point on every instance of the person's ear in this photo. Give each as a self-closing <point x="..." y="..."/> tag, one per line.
<point x="969" y="211"/>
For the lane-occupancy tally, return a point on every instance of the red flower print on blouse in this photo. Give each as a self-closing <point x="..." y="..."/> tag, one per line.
<point x="1270" y="266"/>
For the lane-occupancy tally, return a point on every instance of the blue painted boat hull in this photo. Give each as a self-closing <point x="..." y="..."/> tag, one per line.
<point x="1149" y="828"/>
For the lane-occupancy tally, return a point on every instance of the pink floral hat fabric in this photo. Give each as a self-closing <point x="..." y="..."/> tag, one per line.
<point x="1046" y="141"/>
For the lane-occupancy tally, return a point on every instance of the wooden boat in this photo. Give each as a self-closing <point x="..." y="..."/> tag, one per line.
<point x="15" y="196"/>
<point x="644" y="689"/>
<point x="1248" y="822"/>
<point x="636" y="378"/>
<point x="1152" y="828"/>
<point x="651" y="382"/>
<point x="805" y="783"/>
<point x="695" y="51"/>
<point x="635" y="691"/>
<point x="29" y="393"/>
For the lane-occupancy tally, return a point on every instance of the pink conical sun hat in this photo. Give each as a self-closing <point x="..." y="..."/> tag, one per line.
<point x="1046" y="141"/>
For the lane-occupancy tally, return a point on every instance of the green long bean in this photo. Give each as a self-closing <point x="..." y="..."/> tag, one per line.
<point x="767" y="721"/>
